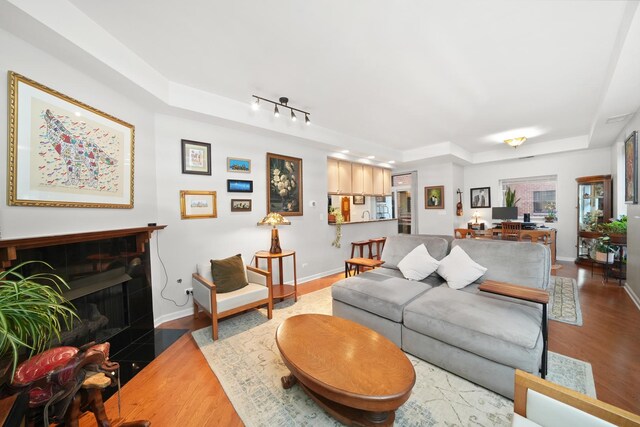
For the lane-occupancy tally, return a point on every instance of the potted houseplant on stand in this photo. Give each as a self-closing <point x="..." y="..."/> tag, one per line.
<point x="339" y="219"/>
<point x="603" y="252"/>
<point x="33" y="312"/>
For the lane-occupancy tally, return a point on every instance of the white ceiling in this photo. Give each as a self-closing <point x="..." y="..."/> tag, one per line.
<point x="405" y="77"/>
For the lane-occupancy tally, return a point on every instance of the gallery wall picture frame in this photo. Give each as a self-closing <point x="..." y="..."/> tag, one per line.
<point x="196" y="157"/>
<point x="631" y="169"/>
<point x="480" y="197"/>
<point x="358" y="200"/>
<point x="434" y="197"/>
<point x="284" y="185"/>
<point x="238" y="165"/>
<point x="241" y="205"/>
<point x="198" y="204"/>
<point x="64" y="153"/>
<point x="239" y="186"/>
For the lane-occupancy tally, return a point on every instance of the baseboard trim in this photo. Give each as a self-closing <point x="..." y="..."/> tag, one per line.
<point x="565" y="258"/>
<point x="632" y="295"/>
<point x="173" y="316"/>
<point x="189" y="311"/>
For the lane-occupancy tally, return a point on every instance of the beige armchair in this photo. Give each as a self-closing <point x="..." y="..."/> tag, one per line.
<point x="219" y="305"/>
<point x="541" y="403"/>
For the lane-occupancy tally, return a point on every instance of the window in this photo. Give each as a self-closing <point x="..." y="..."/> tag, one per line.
<point x="535" y="195"/>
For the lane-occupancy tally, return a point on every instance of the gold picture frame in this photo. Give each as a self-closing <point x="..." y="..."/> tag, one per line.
<point x="198" y="204"/>
<point x="64" y="153"/>
<point x="434" y="197"/>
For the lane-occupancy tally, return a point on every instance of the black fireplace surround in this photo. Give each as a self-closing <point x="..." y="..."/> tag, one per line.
<point x="109" y="285"/>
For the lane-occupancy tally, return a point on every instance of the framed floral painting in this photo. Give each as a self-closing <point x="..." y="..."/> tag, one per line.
<point x="284" y="183"/>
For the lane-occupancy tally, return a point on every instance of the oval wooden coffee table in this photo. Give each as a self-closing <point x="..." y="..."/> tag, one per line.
<point x="357" y="375"/>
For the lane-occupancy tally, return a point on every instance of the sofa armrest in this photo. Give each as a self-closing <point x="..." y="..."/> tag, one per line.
<point x="258" y="276"/>
<point x="536" y="295"/>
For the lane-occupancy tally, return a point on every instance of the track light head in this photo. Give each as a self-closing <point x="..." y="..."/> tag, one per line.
<point x="255" y="105"/>
<point x="306" y="120"/>
<point x="293" y="116"/>
<point x="276" y="112"/>
<point x="284" y="100"/>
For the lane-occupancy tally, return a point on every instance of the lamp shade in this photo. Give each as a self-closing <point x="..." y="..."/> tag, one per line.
<point x="274" y="219"/>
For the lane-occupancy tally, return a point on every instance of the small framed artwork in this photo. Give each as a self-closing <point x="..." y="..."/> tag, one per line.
<point x="284" y="183"/>
<point x="358" y="200"/>
<point x="240" y="205"/>
<point x="198" y="204"/>
<point x="434" y="197"/>
<point x="239" y="186"/>
<point x="196" y="157"/>
<point x="64" y="153"/>
<point x="238" y="165"/>
<point x="631" y="168"/>
<point x="480" y="197"/>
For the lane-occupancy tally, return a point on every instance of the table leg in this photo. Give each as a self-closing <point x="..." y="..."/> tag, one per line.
<point x="295" y="279"/>
<point x="288" y="381"/>
<point x="280" y="267"/>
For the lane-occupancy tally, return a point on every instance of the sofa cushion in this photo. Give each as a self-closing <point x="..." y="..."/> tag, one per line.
<point x="397" y="247"/>
<point x="506" y="332"/>
<point x="377" y="293"/>
<point x="512" y="262"/>
<point x="433" y="279"/>
<point x="459" y="270"/>
<point x="418" y="264"/>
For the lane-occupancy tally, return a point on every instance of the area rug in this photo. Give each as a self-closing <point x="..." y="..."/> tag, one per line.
<point x="247" y="362"/>
<point x="564" y="304"/>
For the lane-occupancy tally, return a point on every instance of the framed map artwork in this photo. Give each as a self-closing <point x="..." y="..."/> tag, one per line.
<point x="64" y="153"/>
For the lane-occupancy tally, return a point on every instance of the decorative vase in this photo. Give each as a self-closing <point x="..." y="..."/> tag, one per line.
<point x="332" y="218"/>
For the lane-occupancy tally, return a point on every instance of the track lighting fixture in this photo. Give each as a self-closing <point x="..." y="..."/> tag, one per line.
<point x="282" y="102"/>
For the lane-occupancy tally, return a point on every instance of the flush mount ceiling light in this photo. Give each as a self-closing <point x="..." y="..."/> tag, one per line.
<point x="282" y="102"/>
<point x="515" y="142"/>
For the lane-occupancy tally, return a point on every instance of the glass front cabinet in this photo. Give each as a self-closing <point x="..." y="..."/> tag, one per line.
<point x="594" y="207"/>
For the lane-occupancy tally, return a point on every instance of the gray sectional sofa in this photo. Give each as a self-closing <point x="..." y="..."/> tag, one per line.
<point x="473" y="334"/>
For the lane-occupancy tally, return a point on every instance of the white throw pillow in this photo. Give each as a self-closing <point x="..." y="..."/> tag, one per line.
<point x="418" y="264"/>
<point x="459" y="270"/>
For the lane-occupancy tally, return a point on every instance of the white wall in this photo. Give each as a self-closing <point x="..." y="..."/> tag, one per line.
<point x="18" y="221"/>
<point x="185" y="242"/>
<point x="567" y="167"/>
<point x="633" y="226"/>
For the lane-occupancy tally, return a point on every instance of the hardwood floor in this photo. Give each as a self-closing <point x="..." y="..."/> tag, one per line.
<point x="179" y="388"/>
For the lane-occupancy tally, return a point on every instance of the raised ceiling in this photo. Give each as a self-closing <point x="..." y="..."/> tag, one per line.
<point x="410" y="79"/>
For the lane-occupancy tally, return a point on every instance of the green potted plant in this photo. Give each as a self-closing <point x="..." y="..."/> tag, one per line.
<point x="551" y="212"/>
<point x="32" y="314"/>
<point x="510" y="198"/>
<point x="603" y="251"/>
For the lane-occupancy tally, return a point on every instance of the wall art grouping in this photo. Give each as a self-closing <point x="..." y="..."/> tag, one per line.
<point x="64" y="153"/>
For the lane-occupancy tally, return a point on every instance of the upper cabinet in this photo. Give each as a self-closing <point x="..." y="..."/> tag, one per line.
<point x="344" y="177"/>
<point x="367" y="178"/>
<point x="357" y="178"/>
<point x="338" y="176"/>
<point x="378" y="184"/>
<point x="386" y="185"/>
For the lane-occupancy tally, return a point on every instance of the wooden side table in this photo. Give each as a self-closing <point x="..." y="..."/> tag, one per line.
<point x="280" y="290"/>
<point x="360" y="262"/>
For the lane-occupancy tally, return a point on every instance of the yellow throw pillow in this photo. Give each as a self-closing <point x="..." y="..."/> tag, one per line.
<point x="228" y="274"/>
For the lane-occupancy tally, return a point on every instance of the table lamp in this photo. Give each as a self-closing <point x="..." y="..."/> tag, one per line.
<point x="274" y="219"/>
<point x="476" y="215"/>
